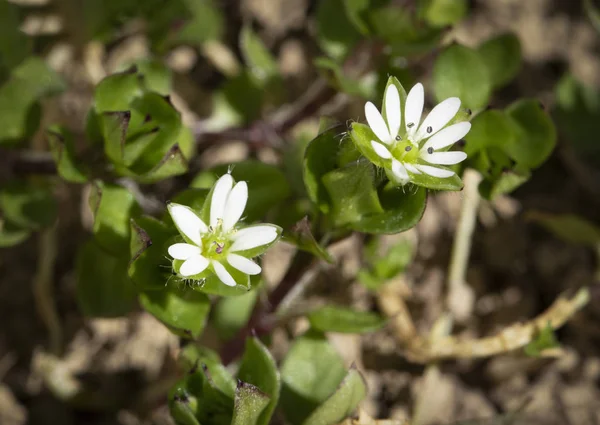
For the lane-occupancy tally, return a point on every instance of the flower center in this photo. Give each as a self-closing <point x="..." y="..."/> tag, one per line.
<point x="405" y="151"/>
<point x="216" y="242"/>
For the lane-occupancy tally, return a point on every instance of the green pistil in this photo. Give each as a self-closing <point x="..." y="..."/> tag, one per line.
<point x="405" y="151"/>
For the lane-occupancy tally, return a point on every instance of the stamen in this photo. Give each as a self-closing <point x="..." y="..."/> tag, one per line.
<point x="429" y="129"/>
<point x="430" y="150"/>
<point x="398" y="138"/>
<point x="408" y="148"/>
<point x="219" y="249"/>
<point x="410" y="124"/>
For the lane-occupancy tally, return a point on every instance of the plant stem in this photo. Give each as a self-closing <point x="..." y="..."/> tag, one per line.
<point x="460" y="297"/>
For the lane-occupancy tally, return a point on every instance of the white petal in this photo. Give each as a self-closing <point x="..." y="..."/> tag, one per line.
<point x="448" y="136"/>
<point x="236" y="202"/>
<point x="392" y="109"/>
<point x="414" y="108"/>
<point x="377" y="123"/>
<point x="253" y="237"/>
<point x="444" y="158"/>
<point x="381" y="150"/>
<point x="399" y="170"/>
<point x="187" y="222"/>
<point x="219" y="198"/>
<point x="222" y="273"/>
<point x="193" y="265"/>
<point x="439" y="117"/>
<point x="183" y="251"/>
<point x="243" y="264"/>
<point x="434" y="171"/>
<point x="411" y="168"/>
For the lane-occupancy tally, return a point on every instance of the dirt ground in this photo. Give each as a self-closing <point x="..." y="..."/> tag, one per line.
<point x="517" y="269"/>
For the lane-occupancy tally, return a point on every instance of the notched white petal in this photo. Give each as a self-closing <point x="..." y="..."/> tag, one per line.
<point x="183" y="251"/>
<point x="435" y="171"/>
<point x="392" y="110"/>
<point x="381" y="150"/>
<point x="399" y="170"/>
<point x="439" y="117"/>
<point x="444" y="158"/>
<point x="414" y="108"/>
<point x="193" y="265"/>
<point x="236" y="203"/>
<point x="253" y="237"/>
<point x="376" y="122"/>
<point x="187" y="222"/>
<point x="219" y="198"/>
<point x="243" y="264"/>
<point x="448" y="136"/>
<point x="411" y="168"/>
<point x="222" y="273"/>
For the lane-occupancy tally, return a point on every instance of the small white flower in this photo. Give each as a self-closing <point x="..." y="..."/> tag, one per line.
<point x="219" y="245"/>
<point x="411" y="154"/>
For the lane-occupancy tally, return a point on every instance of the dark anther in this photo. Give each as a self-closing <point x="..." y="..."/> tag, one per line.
<point x="219" y="249"/>
<point x="408" y="148"/>
<point x="430" y="150"/>
<point x="398" y="138"/>
<point x="461" y="143"/>
<point x="429" y="129"/>
<point x="410" y="124"/>
<point x="469" y="111"/>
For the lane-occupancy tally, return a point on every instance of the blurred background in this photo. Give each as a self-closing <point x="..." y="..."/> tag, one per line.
<point x="251" y="78"/>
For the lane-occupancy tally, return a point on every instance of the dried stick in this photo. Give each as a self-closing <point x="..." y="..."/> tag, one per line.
<point x="423" y="350"/>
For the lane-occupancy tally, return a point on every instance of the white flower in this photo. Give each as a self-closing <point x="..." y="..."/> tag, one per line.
<point x="219" y="245"/>
<point x="410" y="155"/>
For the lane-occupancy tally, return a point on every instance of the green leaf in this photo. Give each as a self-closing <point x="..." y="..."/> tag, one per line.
<point x="14" y="44"/>
<point x="577" y="113"/>
<point x="250" y="403"/>
<point x="27" y="206"/>
<point x="103" y="288"/>
<point x="173" y="163"/>
<point x="183" y="310"/>
<point x="267" y="185"/>
<point x="460" y="71"/>
<point x="385" y="261"/>
<point x="301" y="236"/>
<point x="149" y="266"/>
<point x="336" y="35"/>
<point x="157" y="76"/>
<point x="258" y="58"/>
<point x="403" y="208"/>
<point x="345" y="320"/>
<point x="207" y="23"/>
<point x="193" y="355"/>
<point x="352" y="192"/>
<point x="259" y="369"/>
<point x="402" y="31"/>
<point x="536" y="135"/>
<point x="115" y="92"/>
<point x="441" y="13"/>
<point x="321" y="157"/>
<point x="232" y="313"/>
<point x="569" y="227"/>
<point x="63" y="151"/>
<point x="342" y="403"/>
<point x="11" y="235"/>
<point x="243" y="97"/>
<point x="29" y="82"/>
<point x="505" y="182"/>
<point x="502" y="56"/>
<point x="492" y="128"/>
<point x="544" y="340"/>
<point x="363" y="86"/>
<point x="113" y="207"/>
<point x="310" y="373"/>
<point x="355" y="10"/>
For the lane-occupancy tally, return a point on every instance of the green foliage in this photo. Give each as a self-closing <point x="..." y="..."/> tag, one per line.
<point x="544" y="340"/>
<point x="312" y="373"/>
<point x="441" y="13"/>
<point x="569" y="227"/>
<point x="333" y="318"/>
<point x="24" y="207"/>
<point x="182" y="309"/>
<point x="31" y="80"/>
<point x="14" y="45"/>
<point x="302" y="237"/>
<point x="103" y="288"/>
<point x="460" y="71"/>
<point x="232" y="313"/>
<point x="62" y="145"/>
<point x="502" y="57"/>
<point x="384" y="262"/>
<point x="336" y="33"/>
